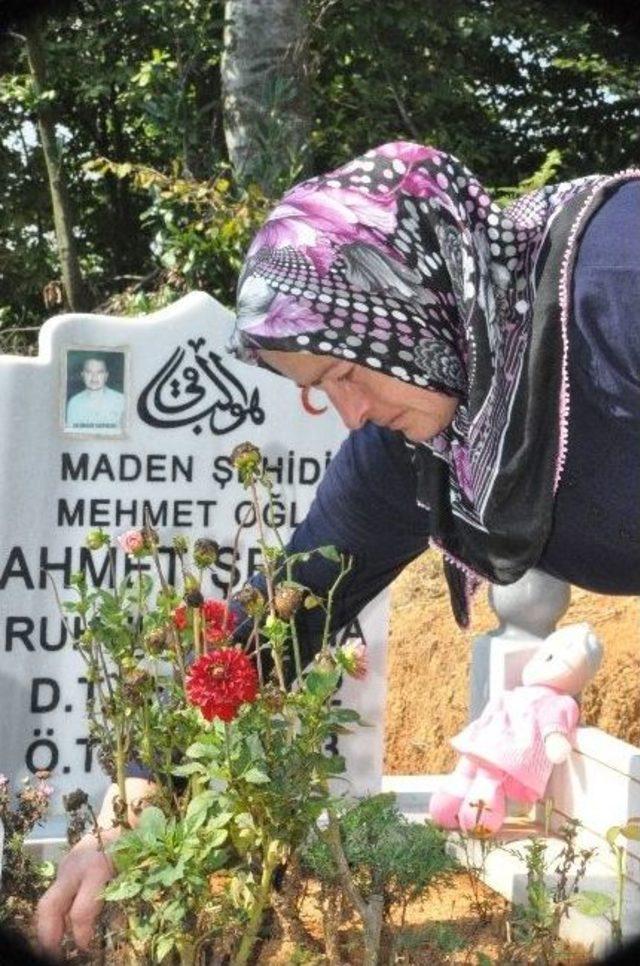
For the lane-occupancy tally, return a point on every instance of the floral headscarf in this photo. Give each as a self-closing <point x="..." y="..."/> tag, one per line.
<point x="401" y="262"/>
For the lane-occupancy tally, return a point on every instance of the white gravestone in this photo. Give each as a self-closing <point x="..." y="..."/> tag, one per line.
<point x="75" y="458"/>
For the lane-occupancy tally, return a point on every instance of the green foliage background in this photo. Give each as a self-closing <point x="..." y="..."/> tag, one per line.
<point x="137" y="95"/>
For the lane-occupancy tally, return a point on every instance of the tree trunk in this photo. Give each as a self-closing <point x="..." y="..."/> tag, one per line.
<point x="265" y="84"/>
<point x="71" y="274"/>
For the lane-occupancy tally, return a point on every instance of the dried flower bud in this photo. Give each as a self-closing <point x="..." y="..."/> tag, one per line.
<point x="107" y="761"/>
<point x="272" y="698"/>
<point x="75" y="800"/>
<point x="194" y="598"/>
<point x="156" y="640"/>
<point x="287" y="599"/>
<point x="133" y="689"/>
<point x="205" y="552"/>
<point x="96" y="539"/>
<point x="247" y="460"/>
<point x="252" y="601"/>
<point x="180" y="544"/>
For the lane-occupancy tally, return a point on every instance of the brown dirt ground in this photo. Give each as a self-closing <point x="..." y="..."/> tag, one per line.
<point x="451" y="908"/>
<point x="428" y="667"/>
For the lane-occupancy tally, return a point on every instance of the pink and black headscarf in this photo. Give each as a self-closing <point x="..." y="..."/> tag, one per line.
<point x="401" y="262"/>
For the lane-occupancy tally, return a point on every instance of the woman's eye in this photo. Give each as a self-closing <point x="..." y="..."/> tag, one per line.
<point x="549" y="657"/>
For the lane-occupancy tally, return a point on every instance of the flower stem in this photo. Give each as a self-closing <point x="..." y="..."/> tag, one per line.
<point x="344" y="570"/>
<point x="251" y="932"/>
<point x="197" y="632"/>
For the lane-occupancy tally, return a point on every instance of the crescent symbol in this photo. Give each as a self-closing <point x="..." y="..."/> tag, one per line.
<point x="306" y="404"/>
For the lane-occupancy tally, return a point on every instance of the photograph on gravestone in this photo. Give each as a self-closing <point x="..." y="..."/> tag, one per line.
<point x="189" y="404"/>
<point x="93" y="392"/>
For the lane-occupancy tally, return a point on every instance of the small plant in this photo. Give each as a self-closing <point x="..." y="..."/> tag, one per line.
<point x="476" y="848"/>
<point x="535" y="927"/>
<point x="23" y="879"/>
<point x="440" y="936"/>
<point x="392" y="861"/>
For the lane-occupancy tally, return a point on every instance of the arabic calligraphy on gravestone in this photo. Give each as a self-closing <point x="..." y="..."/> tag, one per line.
<point x="156" y="446"/>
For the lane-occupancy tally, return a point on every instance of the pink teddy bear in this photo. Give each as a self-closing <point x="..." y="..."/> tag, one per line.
<point x="510" y="750"/>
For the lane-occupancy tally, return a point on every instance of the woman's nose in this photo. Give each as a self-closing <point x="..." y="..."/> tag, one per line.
<point x="352" y="405"/>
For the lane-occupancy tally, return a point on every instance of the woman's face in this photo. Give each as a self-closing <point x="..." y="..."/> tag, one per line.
<point x="360" y="394"/>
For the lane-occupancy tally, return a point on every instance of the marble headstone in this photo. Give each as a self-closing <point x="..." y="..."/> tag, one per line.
<point x="75" y="457"/>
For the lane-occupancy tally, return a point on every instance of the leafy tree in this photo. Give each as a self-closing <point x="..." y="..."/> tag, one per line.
<point x="140" y="85"/>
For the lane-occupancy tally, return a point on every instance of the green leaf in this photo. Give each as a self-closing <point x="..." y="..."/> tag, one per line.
<point x="167" y="875"/>
<point x="335" y="765"/>
<point x="329" y="553"/>
<point x="345" y="715"/>
<point x="152" y="824"/>
<point x="200" y="805"/>
<point x="121" y="890"/>
<point x="256" y="776"/>
<point x="322" y="683"/>
<point x="191" y="768"/>
<point x="591" y="903"/>
<point x="164" y="945"/>
<point x="199" y="750"/>
<point x="612" y="835"/>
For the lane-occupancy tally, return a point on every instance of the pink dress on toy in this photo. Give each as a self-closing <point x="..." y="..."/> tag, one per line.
<point x="503" y="755"/>
<point x="509" y="735"/>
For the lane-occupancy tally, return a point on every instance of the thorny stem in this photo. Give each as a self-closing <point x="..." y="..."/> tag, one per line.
<point x="60" y="608"/>
<point x="268" y="573"/>
<point x="121" y="778"/>
<point x="235" y="554"/>
<point x="344" y="570"/>
<point x="197" y="632"/>
<point x="175" y="637"/>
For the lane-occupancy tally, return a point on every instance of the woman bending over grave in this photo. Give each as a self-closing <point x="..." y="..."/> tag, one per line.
<point x="487" y="361"/>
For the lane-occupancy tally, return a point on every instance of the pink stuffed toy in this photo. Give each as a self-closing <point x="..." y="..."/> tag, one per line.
<point x="510" y="750"/>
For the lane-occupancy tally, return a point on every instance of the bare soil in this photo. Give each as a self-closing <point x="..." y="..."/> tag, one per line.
<point x="442" y="928"/>
<point x="428" y="667"/>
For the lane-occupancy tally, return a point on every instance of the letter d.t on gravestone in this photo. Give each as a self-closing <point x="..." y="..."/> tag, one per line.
<point x="118" y="417"/>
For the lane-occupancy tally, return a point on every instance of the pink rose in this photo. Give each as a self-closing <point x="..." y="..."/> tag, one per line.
<point x="352" y="658"/>
<point x="131" y="541"/>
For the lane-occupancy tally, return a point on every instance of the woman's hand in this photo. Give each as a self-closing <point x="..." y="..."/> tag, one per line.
<point x="74" y="900"/>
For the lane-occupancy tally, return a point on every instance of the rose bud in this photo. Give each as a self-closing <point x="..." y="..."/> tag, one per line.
<point x="96" y="539"/>
<point x="247" y="460"/>
<point x="205" y="553"/>
<point x="180" y="544"/>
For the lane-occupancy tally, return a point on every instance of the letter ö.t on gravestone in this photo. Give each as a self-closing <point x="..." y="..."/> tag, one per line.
<point x="118" y="417"/>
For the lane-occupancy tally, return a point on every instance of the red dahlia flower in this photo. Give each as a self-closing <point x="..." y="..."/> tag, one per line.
<point x="219" y="621"/>
<point x="220" y="682"/>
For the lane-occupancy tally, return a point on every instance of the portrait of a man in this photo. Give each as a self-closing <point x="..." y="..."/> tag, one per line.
<point x="95" y="400"/>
